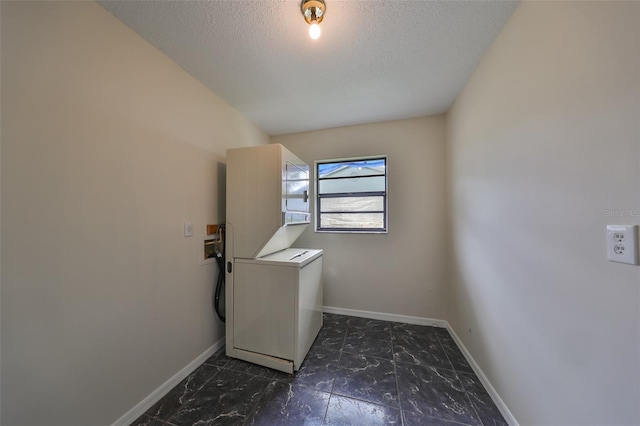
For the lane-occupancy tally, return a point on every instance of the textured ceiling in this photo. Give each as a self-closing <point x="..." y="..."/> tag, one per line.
<point x="376" y="59"/>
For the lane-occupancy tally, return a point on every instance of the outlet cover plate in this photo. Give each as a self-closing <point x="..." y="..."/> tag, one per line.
<point x="188" y="229"/>
<point x="622" y="243"/>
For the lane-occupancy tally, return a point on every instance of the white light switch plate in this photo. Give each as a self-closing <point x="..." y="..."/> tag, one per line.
<point x="188" y="229"/>
<point x="622" y="243"/>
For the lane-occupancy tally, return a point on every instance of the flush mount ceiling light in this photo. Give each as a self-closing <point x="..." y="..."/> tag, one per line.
<point x="313" y="12"/>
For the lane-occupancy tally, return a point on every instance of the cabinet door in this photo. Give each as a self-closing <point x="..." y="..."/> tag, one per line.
<point x="264" y="309"/>
<point x="296" y="187"/>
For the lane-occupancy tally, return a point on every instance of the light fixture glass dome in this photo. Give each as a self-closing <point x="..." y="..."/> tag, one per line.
<point x="314" y="31"/>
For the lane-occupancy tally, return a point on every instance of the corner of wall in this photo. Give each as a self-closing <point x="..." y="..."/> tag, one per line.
<point x="1" y="222"/>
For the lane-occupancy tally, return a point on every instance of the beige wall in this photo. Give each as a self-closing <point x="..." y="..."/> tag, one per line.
<point x="107" y="148"/>
<point x="402" y="272"/>
<point x="542" y="141"/>
<point x="0" y="226"/>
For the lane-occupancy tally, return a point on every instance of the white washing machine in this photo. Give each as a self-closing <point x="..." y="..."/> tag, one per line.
<point x="273" y="292"/>
<point x="277" y="307"/>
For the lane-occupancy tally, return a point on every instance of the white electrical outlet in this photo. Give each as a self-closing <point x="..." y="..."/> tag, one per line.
<point x="622" y="243"/>
<point x="188" y="229"/>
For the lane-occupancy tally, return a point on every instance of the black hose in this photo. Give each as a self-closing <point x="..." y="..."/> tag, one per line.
<point x="220" y="283"/>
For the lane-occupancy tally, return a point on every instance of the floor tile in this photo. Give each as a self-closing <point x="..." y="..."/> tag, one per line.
<point x="183" y="392"/>
<point x="419" y="349"/>
<point x="145" y="420"/>
<point x="345" y="411"/>
<point x="442" y="332"/>
<point x="226" y="400"/>
<point x="366" y="342"/>
<point x="289" y="404"/>
<point x="412" y="419"/>
<point x="457" y="359"/>
<point x="367" y="378"/>
<point x="415" y="329"/>
<point x="317" y="371"/>
<point x="485" y="407"/>
<point x="202" y="375"/>
<point x="435" y="392"/>
<point x="219" y="359"/>
<point x="249" y="368"/>
<point x="335" y="321"/>
<point x="369" y="324"/>
<point x="331" y="338"/>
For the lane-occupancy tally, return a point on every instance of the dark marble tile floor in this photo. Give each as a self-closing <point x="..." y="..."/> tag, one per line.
<point x="359" y="371"/>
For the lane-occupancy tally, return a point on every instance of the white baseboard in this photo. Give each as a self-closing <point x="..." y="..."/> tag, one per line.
<point x="483" y="378"/>
<point x="385" y="317"/>
<point x="434" y="323"/>
<point x="164" y="388"/>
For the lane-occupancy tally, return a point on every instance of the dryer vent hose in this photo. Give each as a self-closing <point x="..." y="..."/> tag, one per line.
<point x="220" y="261"/>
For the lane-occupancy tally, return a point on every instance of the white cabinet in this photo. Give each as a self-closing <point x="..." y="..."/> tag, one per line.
<point x="267" y="199"/>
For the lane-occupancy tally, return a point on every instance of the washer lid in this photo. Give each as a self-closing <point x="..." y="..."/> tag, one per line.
<point x="297" y="257"/>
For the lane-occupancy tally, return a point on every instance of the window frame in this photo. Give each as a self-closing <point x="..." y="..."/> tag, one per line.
<point x="384" y="194"/>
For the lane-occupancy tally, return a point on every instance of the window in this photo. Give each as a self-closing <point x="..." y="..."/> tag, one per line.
<point x="351" y="195"/>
